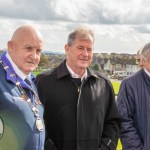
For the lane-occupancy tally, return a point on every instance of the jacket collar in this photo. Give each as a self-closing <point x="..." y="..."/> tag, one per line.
<point x="11" y="72"/>
<point x="146" y="77"/>
<point x="62" y="71"/>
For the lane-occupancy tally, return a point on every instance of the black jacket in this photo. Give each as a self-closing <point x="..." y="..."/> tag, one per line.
<point x="87" y="119"/>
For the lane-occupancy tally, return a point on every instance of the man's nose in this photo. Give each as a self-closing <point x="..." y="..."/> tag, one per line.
<point x="85" y="52"/>
<point x="34" y="54"/>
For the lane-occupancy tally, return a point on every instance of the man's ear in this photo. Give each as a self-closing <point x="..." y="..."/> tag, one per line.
<point x="10" y="46"/>
<point x="66" y="48"/>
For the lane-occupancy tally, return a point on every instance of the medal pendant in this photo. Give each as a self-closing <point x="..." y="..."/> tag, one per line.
<point x="6" y="67"/>
<point x="17" y="83"/>
<point x="39" y="124"/>
<point x="12" y="74"/>
<point x="24" y="97"/>
<point x="34" y="109"/>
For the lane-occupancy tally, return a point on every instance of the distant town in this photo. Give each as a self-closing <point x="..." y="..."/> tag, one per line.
<point x="113" y="65"/>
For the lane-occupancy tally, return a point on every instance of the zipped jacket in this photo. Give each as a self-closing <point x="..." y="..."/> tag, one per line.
<point x="81" y="117"/>
<point x="134" y="106"/>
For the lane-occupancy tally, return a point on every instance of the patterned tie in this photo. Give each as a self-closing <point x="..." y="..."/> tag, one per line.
<point x="28" y="81"/>
<point x="33" y="88"/>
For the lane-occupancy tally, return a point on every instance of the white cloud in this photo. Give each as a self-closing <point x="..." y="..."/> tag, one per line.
<point x="120" y="26"/>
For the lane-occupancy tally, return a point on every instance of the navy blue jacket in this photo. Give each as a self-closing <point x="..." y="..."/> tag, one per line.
<point x="134" y="105"/>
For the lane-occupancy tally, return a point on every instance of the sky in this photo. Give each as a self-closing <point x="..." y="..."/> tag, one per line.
<point x="120" y="26"/>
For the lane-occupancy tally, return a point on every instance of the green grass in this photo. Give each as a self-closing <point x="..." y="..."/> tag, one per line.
<point x="36" y="72"/>
<point x="119" y="147"/>
<point x="116" y="86"/>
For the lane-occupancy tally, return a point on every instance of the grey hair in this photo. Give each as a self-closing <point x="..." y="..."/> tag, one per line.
<point x="81" y="32"/>
<point x="145" y="52"/>
<point x="139" y="51"/>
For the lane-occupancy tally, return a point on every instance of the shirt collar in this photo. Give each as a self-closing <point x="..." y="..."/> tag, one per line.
<point x="74" y="75"/>
<point x="16" y="69"/>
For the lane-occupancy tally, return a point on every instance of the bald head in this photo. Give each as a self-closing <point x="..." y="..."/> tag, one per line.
<point x="25" y="48"/>
<point x="24" y="31"/>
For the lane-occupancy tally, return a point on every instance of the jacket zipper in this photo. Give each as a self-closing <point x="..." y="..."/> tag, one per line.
<point x="79" y="91"/>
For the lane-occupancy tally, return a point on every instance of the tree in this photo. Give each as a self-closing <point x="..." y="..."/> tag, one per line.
<point x="95" y="67"/>
<point x="43" y="62"/>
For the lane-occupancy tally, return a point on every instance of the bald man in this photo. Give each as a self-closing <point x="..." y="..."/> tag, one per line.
<point x="21" y="112"/>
